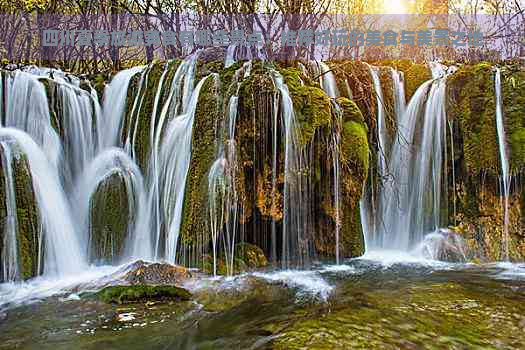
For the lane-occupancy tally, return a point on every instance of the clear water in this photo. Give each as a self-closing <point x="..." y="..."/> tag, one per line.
<point x="392" y="303"/>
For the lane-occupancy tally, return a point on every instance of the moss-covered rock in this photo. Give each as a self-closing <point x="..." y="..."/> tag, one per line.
<point x="247" y="257"/>
<point x="110" y="215"/>
<point x="27" y="218"/>
<point x="472" y="103"/>
<point x="415" y="74"/>
<point x="141" y="114"/>
<point x="252" y="255"/>
<point x="477" y="195"/>
<point x="195" y="227"/>
<point x="312" y="106"/>
<point x="142" y="293"/>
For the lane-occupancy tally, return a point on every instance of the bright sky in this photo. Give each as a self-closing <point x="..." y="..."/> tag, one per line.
<point x="394" y="7"/>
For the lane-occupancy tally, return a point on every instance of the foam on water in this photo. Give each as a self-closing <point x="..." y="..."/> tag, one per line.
<point x="20" y="293"/>
<point x="511" y="270"/>
<point x="307" y="283"/>
<point x="388" y="258"/>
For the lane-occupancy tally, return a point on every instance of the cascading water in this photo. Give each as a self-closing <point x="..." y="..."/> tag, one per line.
<point x="174" y="161"/>
<point x="114" y="161"/>
<point x="381" y="129"/>
<point x="297" y="240"/>
<point x="79" y="115"/>
<point x="329" y="85"/>
<point x="223" y="204"/>
<point x="505" y="177"/>
<point x="34" y="117"/>
<point x="62" y="254"/>
<point x="9" y="253"/>
<point x="399" y="92"/>
<point x="410" y="199"/>
<point x="114" y="107"/>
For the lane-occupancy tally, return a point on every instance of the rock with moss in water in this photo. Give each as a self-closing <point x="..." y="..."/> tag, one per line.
<point x="141" y="272"/>
<point x="140" y="293"/>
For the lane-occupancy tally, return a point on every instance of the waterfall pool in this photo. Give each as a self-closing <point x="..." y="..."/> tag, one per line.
<point x="364" y="303"/>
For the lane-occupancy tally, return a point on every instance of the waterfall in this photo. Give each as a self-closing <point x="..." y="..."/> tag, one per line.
<point x="297" y="235"/>
<point x="327" y="80"/>
<point x="409" y="201"/>
<point x="222" y="190"/>
<point x="174" y="162"/>
<point x="115" y="161"/>
<point x="223" y="198"/>
<point x="230" y="56"/>
<point x="504" y="163"/>
<point x="381" y="130"/>
<point x="114" y="107"/>
<point x="26" y="108"/>
<point x="62" y="254"/>
<point x="329" y="85"/>
<point x="399" y="92"/>
<point x="9" y="253"/>
<point x="78" y="137"/>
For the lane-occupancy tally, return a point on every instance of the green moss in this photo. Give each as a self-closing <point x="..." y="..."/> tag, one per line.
<point x="414" y="74"/>
<point x="251" y="255"/>
<point x="139" y="120"/>
<point x="355" y="83"/>
<point x="350" y="110"/>
<point x="472" y="103"/>
<point x="195" y="228"/>
<point x="354" y="163"/>
<point x="354" y="147"/>
<point x="513" y="102"/>
<point x="27" y="216"/>
<point x="312" y="106"/>
<point x="110" y="215"/>
<point x="141" y="293"/>
<point x="247" y="257"/>
<point x="253" y="136"/>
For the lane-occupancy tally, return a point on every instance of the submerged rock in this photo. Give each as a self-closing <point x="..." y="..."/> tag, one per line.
<point x="138" y="293"/>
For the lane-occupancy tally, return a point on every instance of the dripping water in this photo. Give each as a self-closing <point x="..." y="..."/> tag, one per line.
<point x="504" y="163"/>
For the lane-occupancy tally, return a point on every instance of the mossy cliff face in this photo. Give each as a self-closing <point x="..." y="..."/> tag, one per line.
<point x="195" y="223"/>
<point x="258" y="130"/>
<point x="27" y="235"/>
<point x="354" y="156"/>
<point x="247" y="257"/>
<point x="110" y="216"/>
<point x="140" y="116"/>
<point x="319" y="119"/>
<point x="471" y="109"/>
